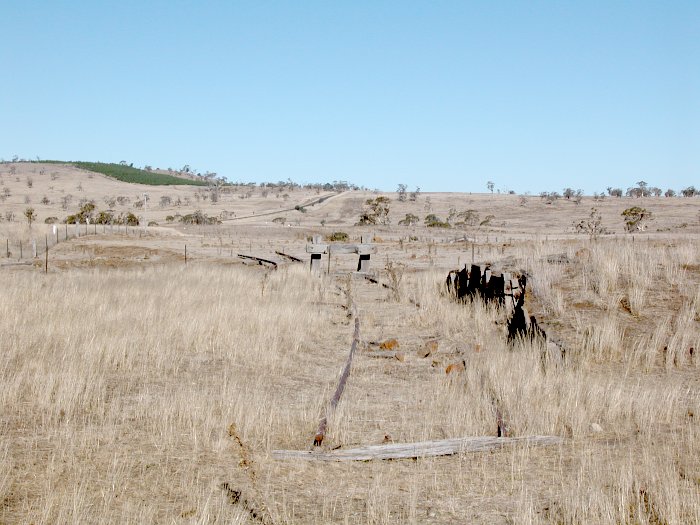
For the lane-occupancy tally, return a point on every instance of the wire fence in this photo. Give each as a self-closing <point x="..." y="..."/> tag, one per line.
<point x="36" y="246"/>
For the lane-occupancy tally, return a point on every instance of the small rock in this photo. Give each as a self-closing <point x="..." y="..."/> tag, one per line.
<point x="389" y="344"/>
<point x="400" y="356"/>
<point x="477" y="348"/>
<point x="430" y="347"/>
<point x="455" y="368"/>
<point x="595" y="427"/>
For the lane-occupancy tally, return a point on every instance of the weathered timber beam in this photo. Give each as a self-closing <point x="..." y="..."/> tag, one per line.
<point x="339" y="249"/>
<point x="316" y="248"/>
<point x="259" y="260"/>
<point x="424" y="449"/>
<point x="362" y="249"/>
<point x="323" y="424"/>
<point x="287" y="256"/>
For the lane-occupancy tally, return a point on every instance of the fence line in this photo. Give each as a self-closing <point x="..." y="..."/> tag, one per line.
<point x="33" y="247"/>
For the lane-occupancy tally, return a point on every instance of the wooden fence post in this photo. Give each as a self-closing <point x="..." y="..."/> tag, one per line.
<point x="46" y="255"/>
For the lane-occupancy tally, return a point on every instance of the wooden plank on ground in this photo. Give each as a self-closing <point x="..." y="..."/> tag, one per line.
<point x="424" y="449"/>
<point x="321" y="432"/>
<point x="259" y="260"/>
<point x="287" y="256"/>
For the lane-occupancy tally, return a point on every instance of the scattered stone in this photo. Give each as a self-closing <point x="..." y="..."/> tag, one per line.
<point x="456" y="368"/>
<point x="400" y="356"/>
<point x="389" y="344"/>
<point x="429" y="348"/>
<point x="595" y="427"/>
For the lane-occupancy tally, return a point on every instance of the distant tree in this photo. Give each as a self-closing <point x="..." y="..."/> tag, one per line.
<point x="656" y="192"/>
<point x="549" y="197"/>
<point x="165" y="200"/>
<point x="466" y="219"/>
<point x="30" y="215"/>
<point x="670" y="193"/>
<point x="690" y="191"/>
<point x="409" y="220"/>
<point x="413" y="197"/>
<point x="487" y="221"/>
<point x="433" y="221"/>
<point x="591" y="225"/>
<point x="45" y="201"/>
<point x="490" y="185"/>
<point x="568" y="193"/>
<point x="66" y="200"/>
<point x="401" y="191"/>
<point x="636" y="218"/>
<point x="578" y="196"/>
<point x="375" y="211"/>
<point x="615" y="192"/>
<point x="641" y="190"/>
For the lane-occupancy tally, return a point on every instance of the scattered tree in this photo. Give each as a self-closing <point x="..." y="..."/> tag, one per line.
<point x="30" y="215"/>
<point x="466" y="219"/>
<point x="401" y="191"/>
<point x="487" y="221"/>
<point x="375" y="211"/>
<point x="433" y="221"/>
<point x="690" y="191"/>
<point x="490" y="185"/>
<point x="636" y="218"/>
<point x="409" y="220"/>
<point x="591" y="225"/>
<point x="413" y="197"/>
<point x="670" y="193"/>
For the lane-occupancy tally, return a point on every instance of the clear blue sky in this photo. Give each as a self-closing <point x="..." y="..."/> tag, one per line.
<point x="442" y="95"/>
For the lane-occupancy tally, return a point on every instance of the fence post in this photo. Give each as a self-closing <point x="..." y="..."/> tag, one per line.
<point x="20" y="250"/>
<point x="46" y="255"/>
<point x="34" y="248"/>
<point x="7" y="247"/>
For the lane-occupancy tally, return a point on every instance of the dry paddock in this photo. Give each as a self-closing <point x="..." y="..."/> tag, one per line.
<point x="156" y="393"/>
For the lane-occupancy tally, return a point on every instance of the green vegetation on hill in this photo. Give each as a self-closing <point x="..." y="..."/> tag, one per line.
<point x="129" y="174"/>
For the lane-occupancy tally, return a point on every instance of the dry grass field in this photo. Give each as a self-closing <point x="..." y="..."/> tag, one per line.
<point x="136" y="387"/>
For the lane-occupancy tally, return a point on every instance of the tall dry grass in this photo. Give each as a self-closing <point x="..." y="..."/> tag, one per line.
<point x="119" y="389"/>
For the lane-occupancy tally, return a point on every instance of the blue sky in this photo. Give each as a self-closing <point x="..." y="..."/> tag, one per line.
<point x="443" y="95"/>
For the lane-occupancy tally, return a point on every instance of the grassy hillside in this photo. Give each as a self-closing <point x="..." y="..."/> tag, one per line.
<point x="130" y="174"/>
